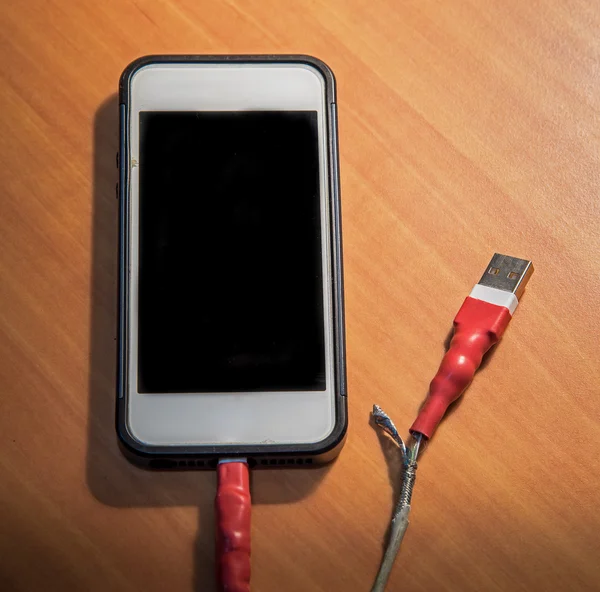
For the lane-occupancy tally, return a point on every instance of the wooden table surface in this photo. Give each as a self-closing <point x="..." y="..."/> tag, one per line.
<point x="465" y="128"/>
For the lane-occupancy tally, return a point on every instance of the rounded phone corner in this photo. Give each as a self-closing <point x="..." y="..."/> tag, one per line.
<point x="133" y="450"/>
<point x="325" y="71"/>
<point x="330" y="447"/>
<point x="130" y="70"/>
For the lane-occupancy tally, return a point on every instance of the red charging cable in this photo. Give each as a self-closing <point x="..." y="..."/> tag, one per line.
<point x="233" y="509"/>
<point x="479" y="324"/>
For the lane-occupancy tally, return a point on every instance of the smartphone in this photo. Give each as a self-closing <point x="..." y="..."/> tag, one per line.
<point x="231" y="318"/>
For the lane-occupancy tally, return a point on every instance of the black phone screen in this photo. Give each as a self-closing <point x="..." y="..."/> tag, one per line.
<point x="230" y="292"/>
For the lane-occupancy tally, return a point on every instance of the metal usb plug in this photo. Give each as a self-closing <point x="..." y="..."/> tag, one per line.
<point x="507" y="273"/>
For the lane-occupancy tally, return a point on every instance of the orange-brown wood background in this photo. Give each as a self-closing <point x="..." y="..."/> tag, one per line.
<point x="466" y="128"/>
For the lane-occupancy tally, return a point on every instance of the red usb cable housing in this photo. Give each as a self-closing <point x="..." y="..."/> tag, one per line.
<point x="479" y="324"/>
<point x="233" y="510"/>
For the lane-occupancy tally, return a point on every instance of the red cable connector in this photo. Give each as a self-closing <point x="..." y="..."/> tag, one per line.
<point x="479" y="324"/>
<point x="233" y="509"/>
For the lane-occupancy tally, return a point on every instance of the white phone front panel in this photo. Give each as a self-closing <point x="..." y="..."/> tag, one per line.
<point x="228" y="418"/>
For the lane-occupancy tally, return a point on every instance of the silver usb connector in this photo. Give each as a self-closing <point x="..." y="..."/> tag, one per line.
<point x="507" y="273"/>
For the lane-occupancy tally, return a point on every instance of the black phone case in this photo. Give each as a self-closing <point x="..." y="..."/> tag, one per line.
<point x="185" y="457"/>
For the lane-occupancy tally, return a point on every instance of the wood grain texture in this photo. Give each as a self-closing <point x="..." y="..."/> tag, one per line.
<point x="466" y="128"/>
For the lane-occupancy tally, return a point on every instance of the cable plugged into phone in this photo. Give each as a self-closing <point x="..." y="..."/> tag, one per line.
<point x="478" y="325"/>
<point x="233" y="510"/>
